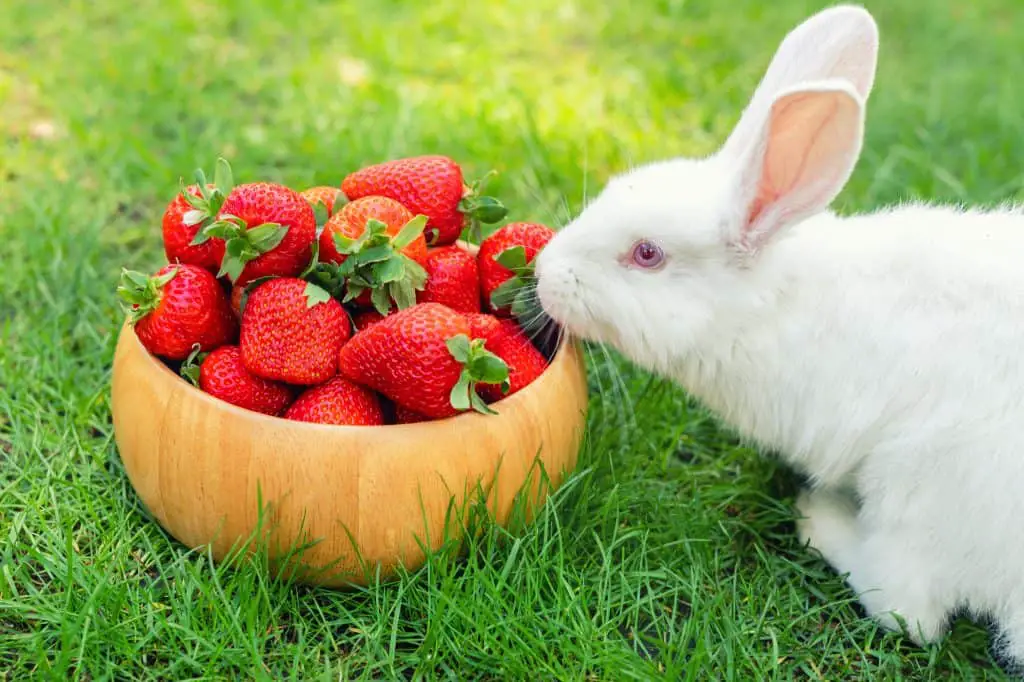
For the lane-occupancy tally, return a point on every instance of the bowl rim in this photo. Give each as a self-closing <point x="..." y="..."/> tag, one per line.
<point x="510" y="402"/>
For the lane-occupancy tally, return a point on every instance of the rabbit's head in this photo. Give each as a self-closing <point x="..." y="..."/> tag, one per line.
<point x="666" y="250"/>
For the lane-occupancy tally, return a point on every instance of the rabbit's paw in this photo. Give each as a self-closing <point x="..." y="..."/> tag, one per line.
<point x="828" y="524"/>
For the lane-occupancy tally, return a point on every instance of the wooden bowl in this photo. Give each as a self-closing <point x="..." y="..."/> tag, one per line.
<point x="366" y="496"/>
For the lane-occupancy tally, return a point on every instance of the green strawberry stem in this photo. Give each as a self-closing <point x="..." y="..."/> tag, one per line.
<point x="479" y="366"/>
<point x="190" y="368"/>
<point x="480" y="209"/>
<point x="207" y="205"/>
<point x="374" y="261"/>
<point x="141" y="292"/>
<point x="243" y="244"/>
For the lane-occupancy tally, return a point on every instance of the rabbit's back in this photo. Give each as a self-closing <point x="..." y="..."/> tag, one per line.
<point x="878" y="329"/>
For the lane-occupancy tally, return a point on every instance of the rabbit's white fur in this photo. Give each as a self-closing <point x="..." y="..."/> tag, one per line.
<point x="882" y="354"/>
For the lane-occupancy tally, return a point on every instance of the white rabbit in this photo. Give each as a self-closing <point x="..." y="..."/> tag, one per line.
<point x="882" y="355"/>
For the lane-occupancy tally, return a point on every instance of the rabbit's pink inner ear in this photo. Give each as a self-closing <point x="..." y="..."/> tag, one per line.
<point x="812" y="140"/>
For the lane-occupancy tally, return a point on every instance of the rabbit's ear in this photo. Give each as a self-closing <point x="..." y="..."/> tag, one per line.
<point x="801" y="159"/>
<point x="839" y="42"/>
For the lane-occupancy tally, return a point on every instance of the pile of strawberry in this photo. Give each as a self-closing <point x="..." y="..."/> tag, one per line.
<point x="344" y="305"/>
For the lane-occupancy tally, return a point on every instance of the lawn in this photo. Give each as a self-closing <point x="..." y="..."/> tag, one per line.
<point x="671" y="550"/>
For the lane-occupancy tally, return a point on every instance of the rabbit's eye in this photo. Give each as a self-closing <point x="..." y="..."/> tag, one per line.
<point x="647" y="254"/>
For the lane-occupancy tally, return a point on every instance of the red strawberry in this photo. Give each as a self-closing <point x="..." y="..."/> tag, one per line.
<point x="179" y="307"/>
<point x="292" y="331"/>
<point x="505" y="260"/>
<point x="423" y="359"/>
<point x="525" y="362"/>
<point x="404" y="415"/>
<point x="268" y="230"/>
<point x="331" y="198"/>
<point x="193" y="209"/>
<point x="182" y="221"/>
<point x="339" y="401"/>
<point x="452" y="279"/>
<point x="236" y="301"/>
<point x="378" y="246"/>
<point x="351" y="222"/>
<point x="432" y="185"/>
<point x="223" y="375"/>
<point x="482" y="325"/>
<point x="365" y="318"/>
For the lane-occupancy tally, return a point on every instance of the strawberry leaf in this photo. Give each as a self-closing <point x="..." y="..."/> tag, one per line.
<point x="489" y="369"/>
<point x="505" y="293"/>
<point x="243" y="245"/>
<point x="315" y="295"/>
<point x="479" y="365"/>
<point x="408" y="234"/>
<point x="460" y="393"/>
<point x="417" y="275"/>
<point x="193" y="217"/>
<point x="375" y="254"/>
<point x="314" y="259"/>
<point x="528" y="312"/>
<point x="479" y="405"/>
<point x="321" y="214"/>
<point x="190" y="368"/>
<point x="231" y="268"/>
<point x="513" y="258"/>
<point x="223" y="229"/>
<point x="381" y="301"/>
<point x="487" y="210"/>
<point x="339" y="201"/>
<point x="201" y="182"/>
<point x="391" y="270"/>
<point x="222" y="178"/>
<point x="458" y="346"/>
<point x="343" y="244"/>
<point x="267" y="236"/>
<point x="374" y="227"/>
<point x="141" y="293"/>
<point x="403" y="294"/>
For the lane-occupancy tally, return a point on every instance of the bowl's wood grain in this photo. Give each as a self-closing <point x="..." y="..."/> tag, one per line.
<point x="198" y="464"/>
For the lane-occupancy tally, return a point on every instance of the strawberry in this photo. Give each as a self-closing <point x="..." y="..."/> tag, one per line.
<point x="404" y="415"/>
<point x="482" y="325"/>
<point x="193" y="209"/>
<point x="376" y="246"/>
<point x="505" y="260"/>
<point x="338" y="401"/>
<point x="179" y="307"/>
<point x="223" y="375"/>
<point x="525" y="363"/>
<point x="423" y="359"/>
<point x="292" y="331"/>
<point x="267" y="229"/>
<point x="178" y="233"/>
<point x="331" y="198"/>
<point x="452" y="279"/>
<point x="351" y="222"/>
<point x="236" y="301"/>
<point x="364" y="318"/>
<point x="432" y="185"/>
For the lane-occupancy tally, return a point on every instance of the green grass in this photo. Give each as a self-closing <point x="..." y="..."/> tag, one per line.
<point x="671" y="552"/>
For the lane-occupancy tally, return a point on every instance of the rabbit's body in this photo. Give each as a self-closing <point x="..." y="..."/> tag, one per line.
<point x="922" y="420"/>
<point x="918" y="295"/>
<point x="882" y="354"/>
